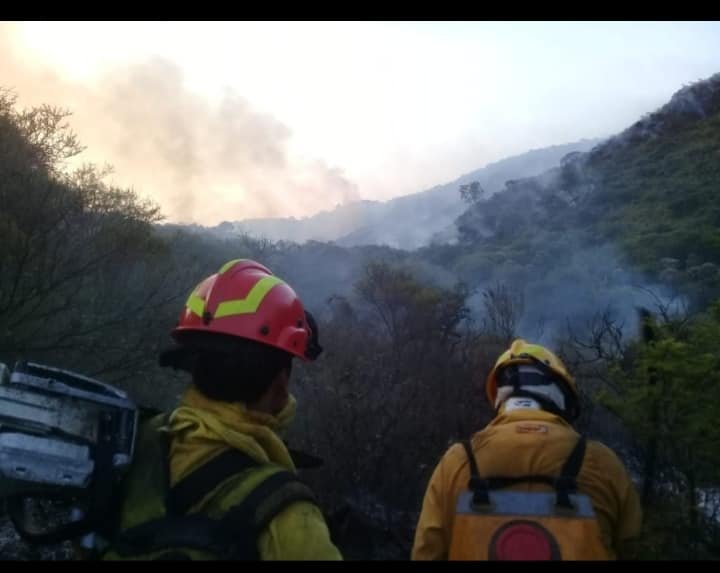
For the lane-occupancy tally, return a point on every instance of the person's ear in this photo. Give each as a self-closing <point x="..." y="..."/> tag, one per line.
<point x="279" y="390"/>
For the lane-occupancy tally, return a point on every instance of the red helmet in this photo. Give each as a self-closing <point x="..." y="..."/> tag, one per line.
<point x="245" y="299"/>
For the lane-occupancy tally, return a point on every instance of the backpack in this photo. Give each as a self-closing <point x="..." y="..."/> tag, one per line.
<point x="161" y="525"/>
<point x="510" y="525"/>
<point x="68" y="438"/>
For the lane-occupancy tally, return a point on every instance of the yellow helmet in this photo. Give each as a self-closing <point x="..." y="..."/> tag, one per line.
<point x="521" y="352"/>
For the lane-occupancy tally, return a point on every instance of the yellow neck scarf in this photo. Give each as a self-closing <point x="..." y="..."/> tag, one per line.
<point x="202" y="427"/>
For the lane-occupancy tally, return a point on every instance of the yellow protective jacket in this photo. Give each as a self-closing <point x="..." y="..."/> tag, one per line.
<point x="200" y="429"/>
<point x="527" y="442"/>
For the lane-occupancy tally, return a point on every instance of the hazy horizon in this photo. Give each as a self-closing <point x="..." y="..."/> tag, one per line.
<point x="237" y="120"/>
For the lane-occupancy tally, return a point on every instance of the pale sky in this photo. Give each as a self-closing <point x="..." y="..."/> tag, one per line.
<point x="232" y="120"/>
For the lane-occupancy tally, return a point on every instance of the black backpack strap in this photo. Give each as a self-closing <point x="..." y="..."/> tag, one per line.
<point x="471" y="458"/>
<point x="171" y="533"/>
<point x="567" y="482"/>
<point x="572" y="466"/>
<point x="479" y="486"/>
<point x="195" y="486"/>
<point x="564" y="485"/>
<point x="251" y="516"/>
<point x="233" y="536"/>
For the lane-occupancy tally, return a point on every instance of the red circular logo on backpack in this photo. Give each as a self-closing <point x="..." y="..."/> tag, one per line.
<point x="523" y="541"/>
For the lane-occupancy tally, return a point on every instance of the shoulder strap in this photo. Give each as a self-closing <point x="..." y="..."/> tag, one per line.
<point x="471" y="457"/>
<point x="233" y="536"/>
<point x="195" y="486"/>
<point x="567" y="482"/>
<point x="477" y="485"/>
<point x="481" y="486"/>
<point x="564" y="484"/>
<point x="167" y="533"/>
<point x="572" y="466"/>
<point x="252" y="515"/>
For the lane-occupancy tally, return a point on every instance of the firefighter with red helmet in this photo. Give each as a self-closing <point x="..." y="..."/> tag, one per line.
<point x="232" y="489"/>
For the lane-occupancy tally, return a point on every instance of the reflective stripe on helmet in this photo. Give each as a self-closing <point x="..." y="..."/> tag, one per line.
<point x="195" y="304"/>
<point x="227" y="266"/>
<point x="251" y="302"/>
<point x="246" y="305"/>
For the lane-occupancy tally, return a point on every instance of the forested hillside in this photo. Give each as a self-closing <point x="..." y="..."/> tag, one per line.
<point x="611" y="259"/>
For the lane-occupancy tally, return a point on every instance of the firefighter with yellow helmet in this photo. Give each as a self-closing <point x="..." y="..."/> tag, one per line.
<point x="528" y="486"/>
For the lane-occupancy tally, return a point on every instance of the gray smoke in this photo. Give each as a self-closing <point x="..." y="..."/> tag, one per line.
<point x="567" y="297"/>
<point x="201" y="161"/>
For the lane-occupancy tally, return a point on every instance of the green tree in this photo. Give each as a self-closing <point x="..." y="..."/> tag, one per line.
<point x="83" y="277"/>
<point x="667" y="395"/>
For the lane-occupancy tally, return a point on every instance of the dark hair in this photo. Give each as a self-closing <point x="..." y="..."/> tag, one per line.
<point x="231" y="369"/>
